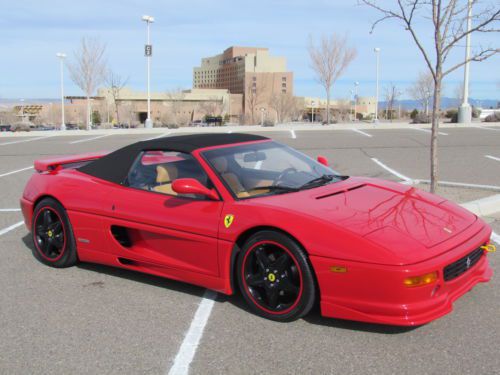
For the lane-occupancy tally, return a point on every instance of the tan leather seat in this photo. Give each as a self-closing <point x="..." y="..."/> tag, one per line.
<point x="221" y="164"/>
<point x="165" y="174"/>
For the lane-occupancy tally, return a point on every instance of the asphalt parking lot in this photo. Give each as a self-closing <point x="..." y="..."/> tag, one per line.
<point x="92" y="319"/>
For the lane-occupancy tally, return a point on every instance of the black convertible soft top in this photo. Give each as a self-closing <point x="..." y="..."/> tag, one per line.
<point x="115" y="166"/>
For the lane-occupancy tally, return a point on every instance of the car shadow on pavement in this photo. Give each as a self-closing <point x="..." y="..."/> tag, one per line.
<point x="314" y="317"/>
<point x="140" y="277"/>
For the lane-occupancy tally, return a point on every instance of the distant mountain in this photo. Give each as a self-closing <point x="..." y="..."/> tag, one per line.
<point x="446" y="103"/>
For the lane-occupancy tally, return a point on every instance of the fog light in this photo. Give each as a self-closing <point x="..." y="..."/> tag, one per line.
<point x="426" y="279"/>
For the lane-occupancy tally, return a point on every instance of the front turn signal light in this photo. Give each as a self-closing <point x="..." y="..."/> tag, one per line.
<point x="426" y="279"/>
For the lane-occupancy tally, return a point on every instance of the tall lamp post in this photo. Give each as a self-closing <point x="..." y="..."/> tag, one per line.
<point x="61" y="57"/>
<point x="377" y="53"/>
<point x="148" y="51"/>
<point x="356" y="84"/>
<point x="465" y="112"/>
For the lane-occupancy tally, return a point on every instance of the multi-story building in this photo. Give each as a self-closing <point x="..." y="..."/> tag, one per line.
<point x="249" y="71"/>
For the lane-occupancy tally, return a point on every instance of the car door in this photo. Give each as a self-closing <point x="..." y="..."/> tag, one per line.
<point x="149" y="225"/>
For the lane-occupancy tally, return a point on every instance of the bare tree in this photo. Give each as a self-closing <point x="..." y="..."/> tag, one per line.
<point x="392" y="95"/>
<point x="255" y="96"/>
<point x="283" y="104"/>
<point x="449" y="25"/>
<point x="89" y="69"/>
<point x="329" y="60"/>
<point x="176" y="114"/>
<point x="116" y="83"/>
<point x="422" y="90"/>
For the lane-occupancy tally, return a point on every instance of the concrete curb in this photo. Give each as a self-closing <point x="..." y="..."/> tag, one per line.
<point x="484" y="206"/>
<point x="249" y="128"/>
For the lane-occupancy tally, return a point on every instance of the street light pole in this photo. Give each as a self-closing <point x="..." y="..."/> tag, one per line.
<point x="313" y="103"/>
<point x="61" y="57"/>
<point x="356" y="84"/>
<point x="377" y="52"/>
<point x="465" y="112"/>
<point x="148" y="52"/>
<point x="262" y="116"/>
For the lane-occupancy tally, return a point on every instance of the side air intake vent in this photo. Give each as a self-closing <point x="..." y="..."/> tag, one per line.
<point x="340" y="192"/>
<point x="121" y="235"/>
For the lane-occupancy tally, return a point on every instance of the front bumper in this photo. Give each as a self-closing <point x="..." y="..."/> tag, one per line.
<point x="375" y="293"/>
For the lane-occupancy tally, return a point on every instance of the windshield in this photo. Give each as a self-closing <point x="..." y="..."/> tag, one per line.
<point x="267" y="168"/>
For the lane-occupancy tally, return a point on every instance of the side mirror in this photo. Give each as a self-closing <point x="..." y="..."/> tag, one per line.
<point x="192" y="186"/>
<point x="322" y="160"/>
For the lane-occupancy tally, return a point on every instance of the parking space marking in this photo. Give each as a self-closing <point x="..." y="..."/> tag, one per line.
<point x="495" y="237"/>
<point x="428" y="131"/>
<point x="193" y="336"/>
<point x="406" y="179"/>
<point x="12" y="227"/>
<point x="89" y="139"/>
<point x="157" y="136"/>
<point x="26" y="140"/>
<point x="16" y="171"/>
<point x="10" y="209"/>
<point x="486" y="128"/>
<point x="362" y="132"/>
<point x="492" y="157"/>
<point x="292" y="132"/>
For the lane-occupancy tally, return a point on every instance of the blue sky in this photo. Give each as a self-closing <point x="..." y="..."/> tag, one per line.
<point x="31" y="32"/>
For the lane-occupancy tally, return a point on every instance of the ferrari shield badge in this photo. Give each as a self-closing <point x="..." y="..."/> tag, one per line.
<point x="228" y="220"/>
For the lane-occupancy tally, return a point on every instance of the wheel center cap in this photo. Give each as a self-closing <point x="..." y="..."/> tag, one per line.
<point x="271" y="277"/>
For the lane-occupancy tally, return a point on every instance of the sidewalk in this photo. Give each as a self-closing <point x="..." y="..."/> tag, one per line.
<point x="249" y="128"/>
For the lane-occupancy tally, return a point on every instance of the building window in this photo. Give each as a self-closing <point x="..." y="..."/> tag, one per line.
<point x="283" y="91"/>
<point x="254" y="79"/>
<point x="283" y="85"/>
<point x="283" y="79"/>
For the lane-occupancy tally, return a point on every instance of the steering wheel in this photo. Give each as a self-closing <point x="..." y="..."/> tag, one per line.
<point x="282" y="175"/>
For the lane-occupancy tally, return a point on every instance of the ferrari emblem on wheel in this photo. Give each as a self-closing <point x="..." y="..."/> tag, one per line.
<point x="228" y="220"/>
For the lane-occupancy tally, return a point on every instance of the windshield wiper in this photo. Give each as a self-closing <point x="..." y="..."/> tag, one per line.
<point x="318" y="181"/>
<point x="276" y="188"/>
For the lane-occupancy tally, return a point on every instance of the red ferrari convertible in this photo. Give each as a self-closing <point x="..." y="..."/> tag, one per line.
<point x="228" y="211"/>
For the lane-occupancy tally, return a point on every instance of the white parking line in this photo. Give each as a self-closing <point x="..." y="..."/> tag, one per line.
<point x="486" y="128"/>
<point x="10" y="209"/>
<point x="492" y="157"/>
<point x="429" y="131"/>
<point x="89" y="139"/>
<point x="292" y="132"/>
<point x="193" y="336"/>
<point x="157" y="136"/>
<point x="12" y="227"/>
<point x="362" y="132"/>
<point x="406" y="179"/>
<point x="26" y="140"/>
<point x="495" y="237"/>
<point x="16" y="171"/>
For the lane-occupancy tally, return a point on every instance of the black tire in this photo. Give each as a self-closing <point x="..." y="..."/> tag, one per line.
<point x="53" y="239"/>
<point x="291" y="279"/>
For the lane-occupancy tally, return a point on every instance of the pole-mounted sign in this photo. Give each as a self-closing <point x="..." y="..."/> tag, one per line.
<point x="148" y="50"/>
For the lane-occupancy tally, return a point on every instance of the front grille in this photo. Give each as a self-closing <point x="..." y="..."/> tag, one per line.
<point x="455" y="269"/>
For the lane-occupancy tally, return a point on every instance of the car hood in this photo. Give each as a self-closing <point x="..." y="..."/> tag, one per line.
<point x="403" y="219"/>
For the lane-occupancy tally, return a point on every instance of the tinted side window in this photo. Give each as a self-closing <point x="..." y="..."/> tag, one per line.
<point x="156" y="170"/>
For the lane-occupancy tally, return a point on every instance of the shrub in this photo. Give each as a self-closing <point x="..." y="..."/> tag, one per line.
<point x="494" y="117"/>
<point x="20" y="127"/>
<point x="475" y="112"/>
<point x="268" y="123"/>
<point x="421" y="118"/>
<point x="413" y="114"/>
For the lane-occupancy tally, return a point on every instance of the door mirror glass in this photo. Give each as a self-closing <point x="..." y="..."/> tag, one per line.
<point x="192" y="186"/>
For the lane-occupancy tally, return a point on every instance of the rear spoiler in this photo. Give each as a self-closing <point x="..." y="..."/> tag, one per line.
<point x="56" y="162"/>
